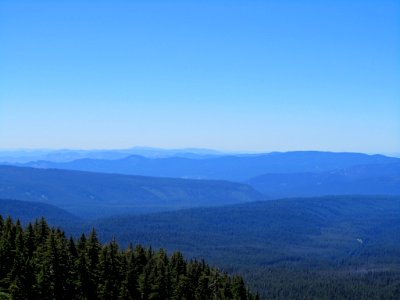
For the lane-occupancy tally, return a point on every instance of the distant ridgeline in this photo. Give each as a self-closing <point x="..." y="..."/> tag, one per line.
<point x="94" y="195"/>
<point x="40" y="262"/>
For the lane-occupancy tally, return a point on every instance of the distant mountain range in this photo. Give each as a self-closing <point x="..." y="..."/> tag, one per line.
<point x="233" y="168"/>
<point x="89" y="195"/>
<point x="66" y="155"/>
<point x="275" y="175"/>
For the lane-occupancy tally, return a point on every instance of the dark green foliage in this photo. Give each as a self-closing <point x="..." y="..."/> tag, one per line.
<point x="272" y="232"/>
<point x="41" y="263"/>
<point x="336" y="283"/>
<point x="285" y="249"/>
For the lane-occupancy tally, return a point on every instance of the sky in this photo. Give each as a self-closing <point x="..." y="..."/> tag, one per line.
<point x="228" y="75"/>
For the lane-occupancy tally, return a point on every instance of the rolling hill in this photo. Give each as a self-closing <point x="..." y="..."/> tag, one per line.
<point x="271" y="232"/>
<point x="320" y="229"/>
<point x="91" y="195"/>
<point x="27" y="211"/>
<point x="233" y="168"/>
<point x="285" y="248"/>
<point x="377" y="179"/>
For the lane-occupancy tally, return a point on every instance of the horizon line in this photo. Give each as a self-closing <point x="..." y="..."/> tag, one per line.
<point x="188" y="149"/>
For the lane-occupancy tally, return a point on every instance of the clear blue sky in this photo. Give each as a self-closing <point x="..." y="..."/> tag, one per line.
<point x="229" y="75"/>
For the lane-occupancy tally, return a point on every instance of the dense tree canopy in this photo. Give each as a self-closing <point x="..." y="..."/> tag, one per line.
<point x="39" y="262"/>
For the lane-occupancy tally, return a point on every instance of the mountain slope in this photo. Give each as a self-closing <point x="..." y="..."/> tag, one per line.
<point x="377" y="179"/>
<point x="286" y="249"/>
<point x="271" y="232"/>
<point x="235" y="168"/>
<point x="27" y="211"/>
<point x="94" y="194"/>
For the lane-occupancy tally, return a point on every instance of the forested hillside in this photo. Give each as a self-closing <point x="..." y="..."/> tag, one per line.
<point x="286" y="249"/>
<point x="39" y="262"/>
<point x="90" y="195"/>
<point x="375" y="179"/>
<point x="27" y="211"/>
<point x="300" y="229"/>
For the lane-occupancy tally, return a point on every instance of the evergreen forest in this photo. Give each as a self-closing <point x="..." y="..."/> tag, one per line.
<point x="40" y="262"/>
